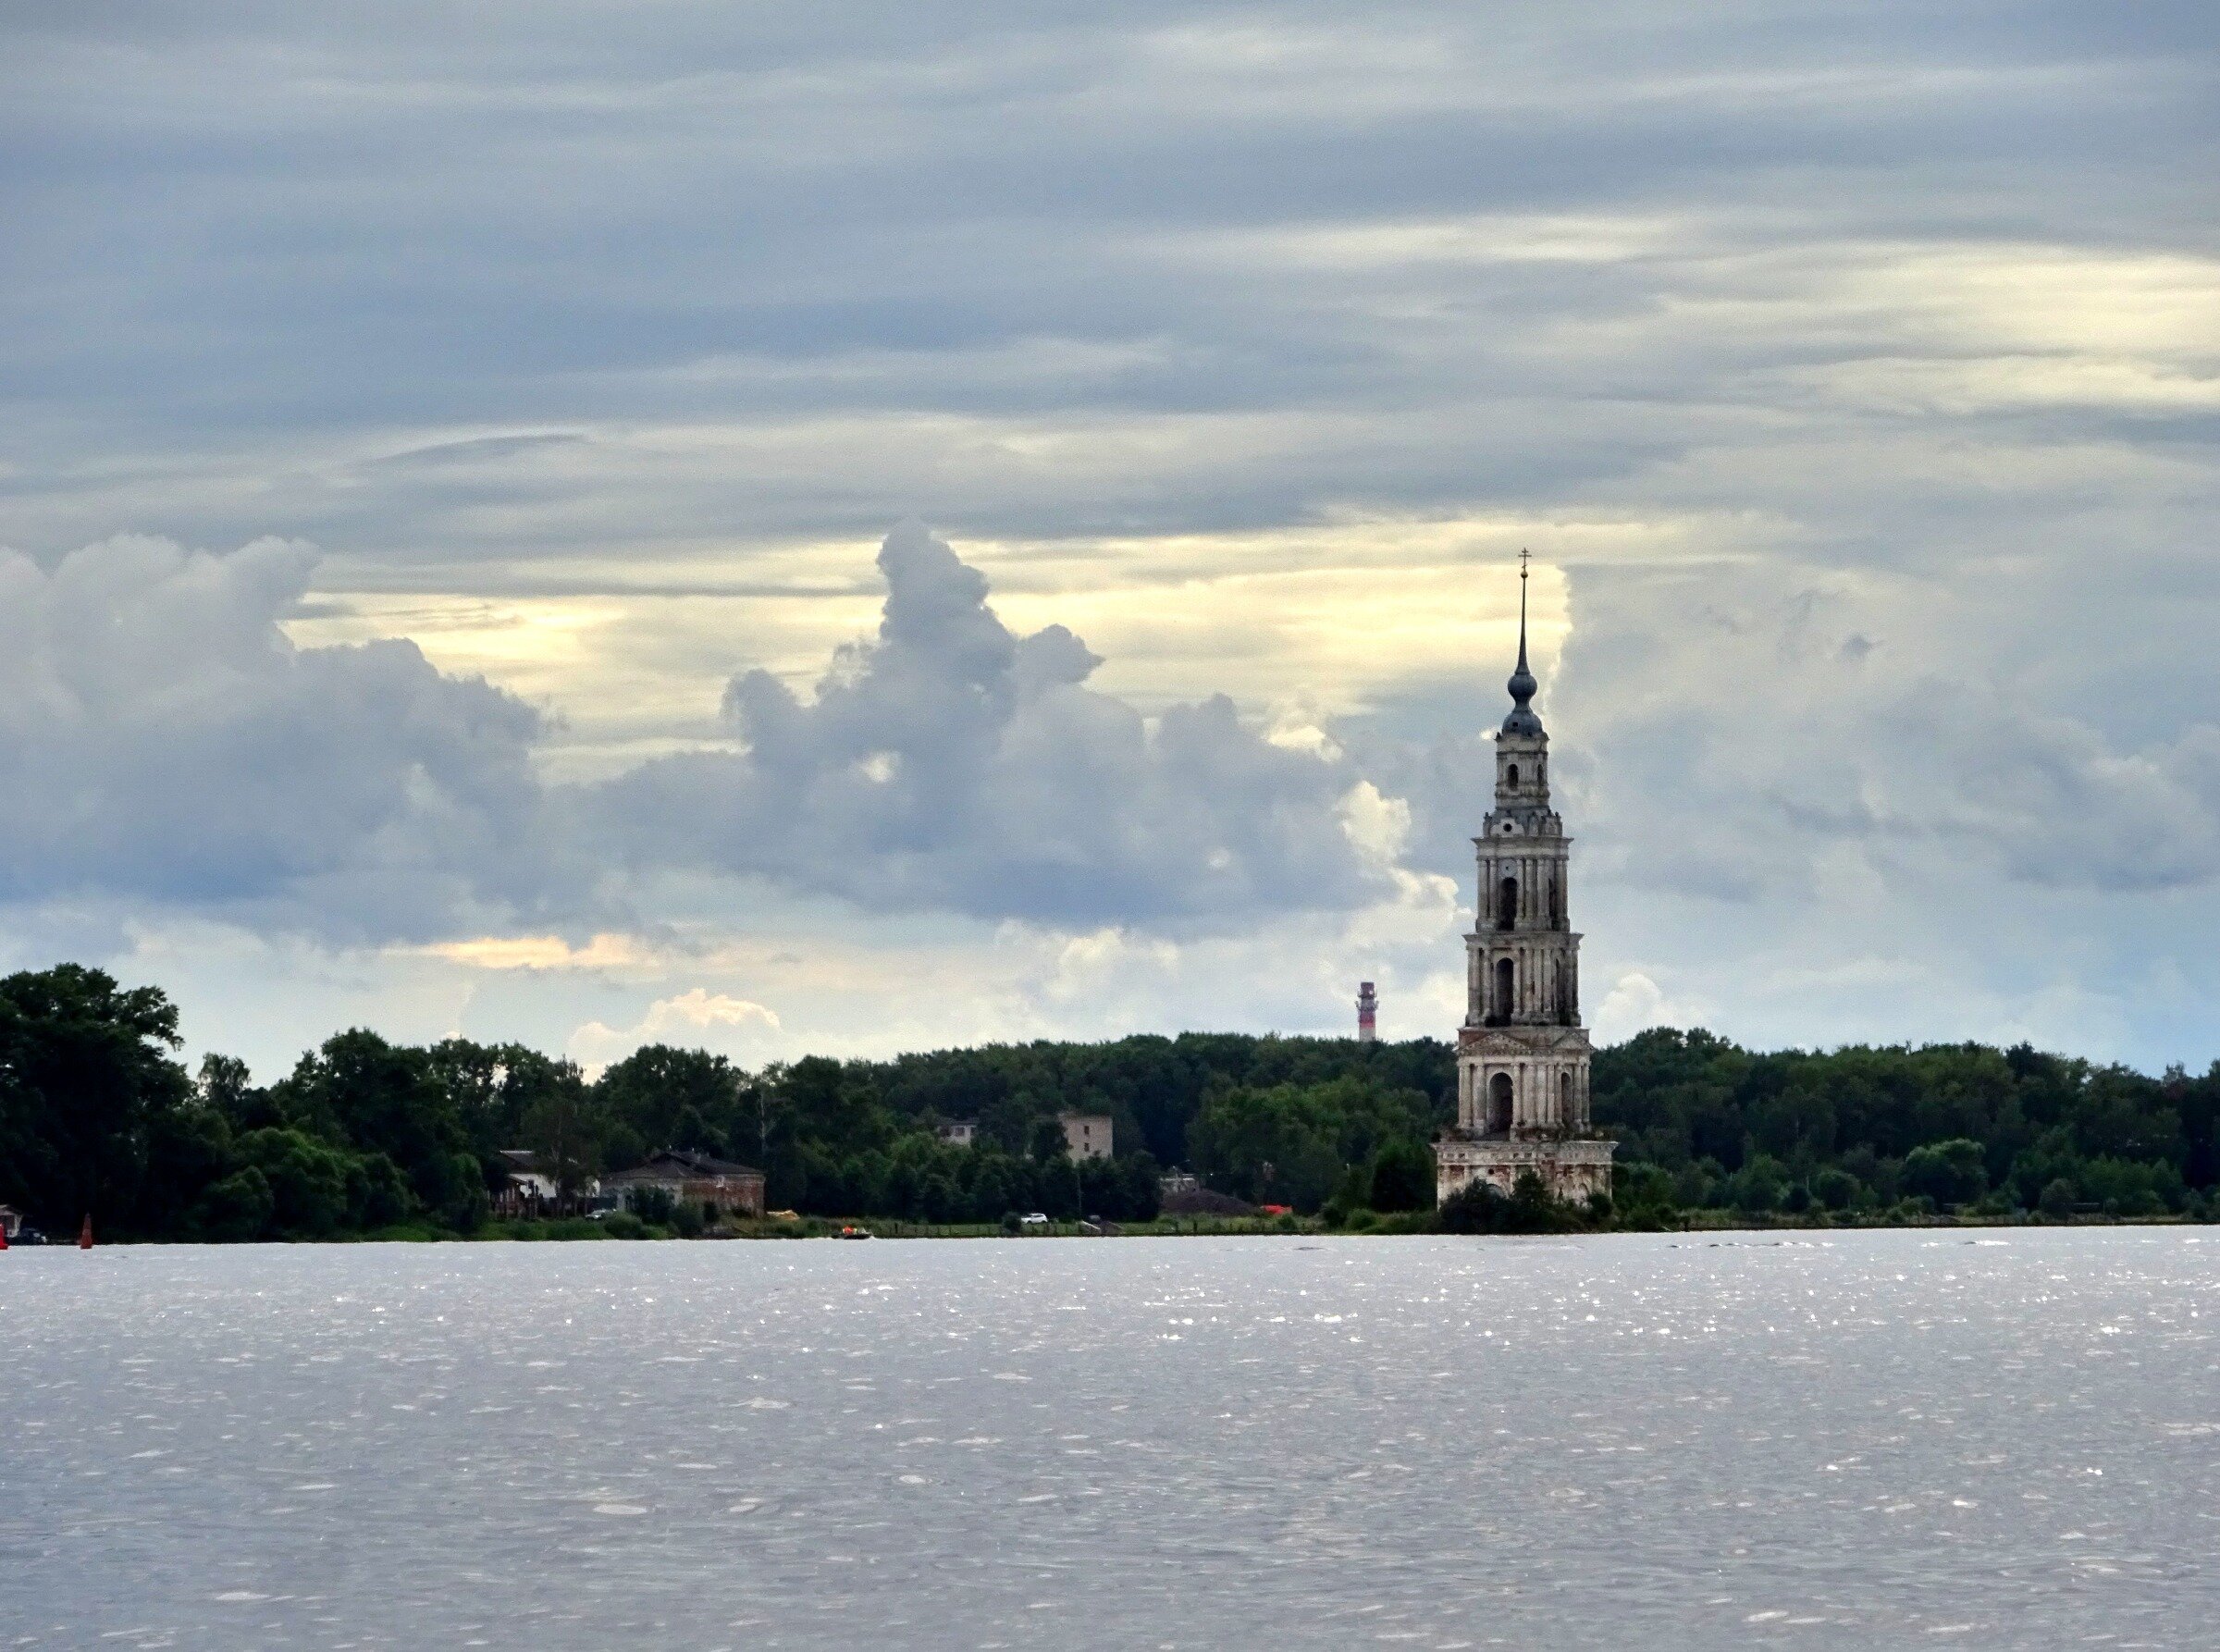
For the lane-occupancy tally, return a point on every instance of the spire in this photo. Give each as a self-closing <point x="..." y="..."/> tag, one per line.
<point x="1522" y="720"/>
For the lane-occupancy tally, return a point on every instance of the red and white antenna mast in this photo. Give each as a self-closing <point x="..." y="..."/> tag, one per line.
<point x="1368" y="1004"/>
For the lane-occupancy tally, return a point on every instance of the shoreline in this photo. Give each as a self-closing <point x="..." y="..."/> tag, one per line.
<point x="578" y="1230"/>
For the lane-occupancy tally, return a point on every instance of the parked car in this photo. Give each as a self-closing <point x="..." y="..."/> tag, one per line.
<point x="1034" y="1219"/>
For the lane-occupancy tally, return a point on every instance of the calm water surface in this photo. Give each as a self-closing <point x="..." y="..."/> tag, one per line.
<point x="1863" y="1439"/>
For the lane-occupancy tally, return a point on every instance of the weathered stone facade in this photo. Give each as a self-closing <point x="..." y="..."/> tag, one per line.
<point x="1521" y="1053"/>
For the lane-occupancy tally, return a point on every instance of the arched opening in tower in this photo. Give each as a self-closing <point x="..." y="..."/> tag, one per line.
<point x="1503" y="986"/>
<point x="1498" y="1104"/>
<point x="1506" y="903"/>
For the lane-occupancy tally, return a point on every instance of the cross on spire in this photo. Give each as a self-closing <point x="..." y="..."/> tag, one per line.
<point x="1523" y="554"/>
<point x="1521" y="719"/>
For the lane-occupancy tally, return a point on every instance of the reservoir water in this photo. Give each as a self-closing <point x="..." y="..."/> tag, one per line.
<point x="1903" y="1438"/>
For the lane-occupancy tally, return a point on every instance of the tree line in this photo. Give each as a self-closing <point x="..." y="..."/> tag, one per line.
<point x="98" y="1116"/>
<point x="1863" y="1130"/>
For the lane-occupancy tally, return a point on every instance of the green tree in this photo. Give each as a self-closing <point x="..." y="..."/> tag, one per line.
<point x="662" y="1096"/>
<point x="85" y="1069"/>
<point x="1531" y="1210"/>
<point x="360" y="1091"/>
<point x="234" y="1210"/>
<point x="1142" y="1195"/>
<point x="227" y="1089"/>
<point x="2131" y="1187"/>
<point x="189" y="1148"/>
<point x="307" y="1181"/>
<point x="1480" y="1208"/>
<point x="377" y="1194"/>
<point x="1761" y="1185"/>
<point x="562" y="1128"/>
<point x="1048" y="1144"/>
<point x="1293" y="1143"/>
<point x="1643" y="1193"/>
<point x="1835" y="1188"/>
<point x="1948" y="1172"/>
<point x="942" y="1199"/>
<point x="1403" y="1176"/>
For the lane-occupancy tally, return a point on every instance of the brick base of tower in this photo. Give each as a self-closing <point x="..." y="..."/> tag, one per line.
<point x="1570" y="1170"/>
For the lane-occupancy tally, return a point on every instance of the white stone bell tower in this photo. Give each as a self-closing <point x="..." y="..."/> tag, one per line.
<point x="1521" y="1053"/>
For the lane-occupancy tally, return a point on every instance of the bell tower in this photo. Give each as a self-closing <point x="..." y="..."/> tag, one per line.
<point x="1522" y="1056"/>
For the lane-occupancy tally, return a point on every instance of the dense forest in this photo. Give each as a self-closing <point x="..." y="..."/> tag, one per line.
<point x="98" y="1117"/>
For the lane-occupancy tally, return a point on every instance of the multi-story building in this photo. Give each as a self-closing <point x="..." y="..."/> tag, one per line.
<point x="1086" y="1135"/>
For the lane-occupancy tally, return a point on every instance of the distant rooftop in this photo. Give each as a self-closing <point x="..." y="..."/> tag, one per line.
<point x="692" y="1164"/>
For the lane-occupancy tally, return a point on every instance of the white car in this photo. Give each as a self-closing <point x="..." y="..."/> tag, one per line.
<point x="1036" y="1219"/>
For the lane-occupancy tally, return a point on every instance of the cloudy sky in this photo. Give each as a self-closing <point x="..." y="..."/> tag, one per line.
<point x="855" y="528"/>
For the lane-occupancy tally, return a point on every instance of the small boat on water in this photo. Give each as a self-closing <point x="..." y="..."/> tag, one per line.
<point x="851" y="1232"/>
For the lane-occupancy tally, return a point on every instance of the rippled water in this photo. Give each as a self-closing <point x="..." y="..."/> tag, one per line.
<point x="1833" y="1440"/>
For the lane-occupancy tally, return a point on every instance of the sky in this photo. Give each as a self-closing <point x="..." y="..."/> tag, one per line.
<point x="852" y="528"/>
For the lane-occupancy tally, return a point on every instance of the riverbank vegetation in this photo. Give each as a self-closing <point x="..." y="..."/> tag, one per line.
<point x="365" y="1137"/>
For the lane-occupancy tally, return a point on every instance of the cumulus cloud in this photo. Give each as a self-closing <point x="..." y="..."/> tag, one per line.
<point x="1634" y="1002"/>
<point x="173" y="747"/>
<point x="951" y="763"/>
<point x="1739" y="727"/>
<point x="164" y="742"/>
<point x="700" y="1019"/>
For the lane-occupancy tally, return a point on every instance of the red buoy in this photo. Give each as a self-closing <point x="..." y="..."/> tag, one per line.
<point x="84" y="1234"/>
<point x="3" y="1238"/>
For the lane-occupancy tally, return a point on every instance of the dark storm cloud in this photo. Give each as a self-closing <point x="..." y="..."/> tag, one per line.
<point x="402" y="217"/>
